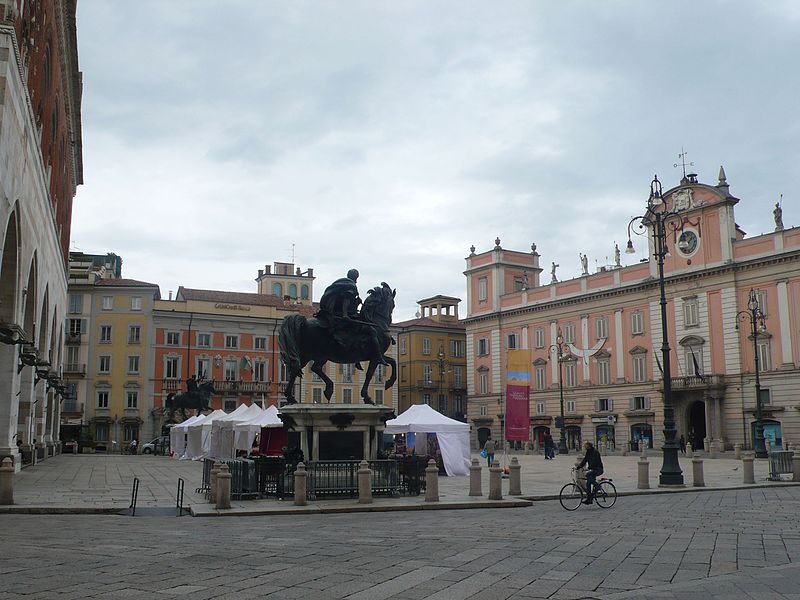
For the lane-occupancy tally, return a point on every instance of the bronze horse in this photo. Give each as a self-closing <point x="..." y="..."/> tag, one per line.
<point x="347" y="341"/>
<point x="197" y="400"/>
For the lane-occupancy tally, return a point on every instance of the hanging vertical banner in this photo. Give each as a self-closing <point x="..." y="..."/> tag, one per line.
<point x="518" y="385"/>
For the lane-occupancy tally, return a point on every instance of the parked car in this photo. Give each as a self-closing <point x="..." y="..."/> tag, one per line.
<point x="159" y="445"/>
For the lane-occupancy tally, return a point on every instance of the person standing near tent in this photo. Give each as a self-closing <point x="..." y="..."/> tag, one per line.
<point x="489" y="448"/>
<point x="549" y="447"/>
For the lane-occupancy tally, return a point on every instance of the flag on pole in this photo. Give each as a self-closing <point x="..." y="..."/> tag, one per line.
<point x="697" y="370"/>
<point x="245" y="364"/>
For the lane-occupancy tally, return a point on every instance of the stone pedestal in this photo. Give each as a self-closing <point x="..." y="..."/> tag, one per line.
<point x="6" y="482"/>
<point x="300" y="485"/>
<point x="737" y="451"/>
<point x="431" y="482"/>
<point x="697" y="472"/>
<point x="364" y="483"/>
<point x="689" y="450"/>
<point x="338" y="431"/>
<point x="475" y="478"/>
<point x="643" y="482"/>
<point x="748" y="475"/>
<point x="212" y="481"/>
<point x="495" y="482"/>
<point x="514" y="480"/>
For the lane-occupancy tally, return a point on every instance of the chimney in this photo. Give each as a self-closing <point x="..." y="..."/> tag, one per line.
<point x="170" y="294"/>
<point x="260" y="273"/>
<point x="310" y="272"/>
<point x="267" y="269"/>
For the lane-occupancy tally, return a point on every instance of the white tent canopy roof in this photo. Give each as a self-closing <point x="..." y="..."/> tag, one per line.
<point x="267" y="418"/>
<point x="208" y="419"/>
<point x="189" y="421"/>
<point x="421" y="418"/>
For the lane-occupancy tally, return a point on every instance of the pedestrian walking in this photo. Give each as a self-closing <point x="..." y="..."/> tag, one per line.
<point x="489" y="448"/>
<point x="549" y="447"/>
<point x="682" y="442"/>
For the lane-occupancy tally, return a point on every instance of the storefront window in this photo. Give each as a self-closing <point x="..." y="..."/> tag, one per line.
<point x="604" y="437"/>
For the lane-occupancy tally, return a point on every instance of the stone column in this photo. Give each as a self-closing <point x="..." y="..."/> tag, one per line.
<point x="495" y="482"/>
<point x="697" y="472"/>
<point x="718" y="423"/>
<point x="747" y="469"/>
<point x="796" y="467"/>
<point x="314" y="444"/>
<point x="431" y="482"/>
<point x="365" y="439"/>
<point x="300" y="485"/>
<point x="304" y="441"/>
<point x="475" y="478"/>
<point x="643" y="482"/>
<point x="364" y="483"/>
<point x="689" y="450"/>
<point x="224" y="487"/>
<point x="514" y="480"/>
<point x="6" y="481"/>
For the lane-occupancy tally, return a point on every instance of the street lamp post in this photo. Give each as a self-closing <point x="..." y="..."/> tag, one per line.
<point x="757" y="325"/>
<point x="558" y="348"/>
<point x="655" y="219"/>
<point x="440" y="355"/>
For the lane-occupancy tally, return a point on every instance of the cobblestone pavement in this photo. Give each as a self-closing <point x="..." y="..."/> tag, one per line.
<point x="719" y="544"/>
<point x="104" y="481"/>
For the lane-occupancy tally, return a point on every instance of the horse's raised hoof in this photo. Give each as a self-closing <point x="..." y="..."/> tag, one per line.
<point x="368" y="400"/>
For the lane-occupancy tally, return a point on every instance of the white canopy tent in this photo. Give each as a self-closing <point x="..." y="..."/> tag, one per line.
<point x="177" y="436"/>
<point x="198" y="440"/>
<point x="245" y="433"/>
<point x="452" y="435"/>
<point x="222" y="434"/>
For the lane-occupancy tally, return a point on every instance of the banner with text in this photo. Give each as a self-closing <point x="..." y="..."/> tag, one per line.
<point x="518" y="385"/>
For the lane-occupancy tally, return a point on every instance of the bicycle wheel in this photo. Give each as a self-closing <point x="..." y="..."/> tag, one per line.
<point x="571" y="496"/>
<point x="605" y="494"/>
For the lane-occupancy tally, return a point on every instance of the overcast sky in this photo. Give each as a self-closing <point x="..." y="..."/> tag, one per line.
<point x="390" y="136"/>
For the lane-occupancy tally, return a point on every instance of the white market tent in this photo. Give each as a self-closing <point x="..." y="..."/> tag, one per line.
<point x="452" y="435"/>
<point x="221" y="443"/>
<point x="177" y="436"/>
<point x="246" y="432"/>
<point x="198" y="439"/>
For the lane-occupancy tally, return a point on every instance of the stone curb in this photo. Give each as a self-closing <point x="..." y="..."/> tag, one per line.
<point x="356" y="508"/>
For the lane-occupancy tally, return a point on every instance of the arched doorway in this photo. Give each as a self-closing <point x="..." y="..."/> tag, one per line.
<point x="538" y="434"/>
<point x="604" y="437"/>
<point x="574" y="437"/>
<point x="483" y="435"/>
<point x="697" y="424"/>
<point x="641" y="432"/>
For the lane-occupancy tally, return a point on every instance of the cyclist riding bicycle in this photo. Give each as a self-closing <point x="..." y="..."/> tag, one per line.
<point x="595" y="464"/>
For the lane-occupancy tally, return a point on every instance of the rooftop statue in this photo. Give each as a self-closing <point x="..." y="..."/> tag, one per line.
<point x="339" y="333"/>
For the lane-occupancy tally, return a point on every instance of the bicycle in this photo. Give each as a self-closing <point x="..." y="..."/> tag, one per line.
<point x="573" y="494"/>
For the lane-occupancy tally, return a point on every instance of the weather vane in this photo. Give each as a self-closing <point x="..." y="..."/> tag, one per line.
<point x="683" y="162"/>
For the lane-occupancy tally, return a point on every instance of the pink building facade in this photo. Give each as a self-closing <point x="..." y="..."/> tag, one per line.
<point x="611" y="325"/>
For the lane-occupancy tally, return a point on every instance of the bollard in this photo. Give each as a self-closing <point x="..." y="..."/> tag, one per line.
<point x="689" y="450"/>
<point x="475" y="478"/>
<point x="75" y="448"/>
<point x="737" y="451"/>
<point x="495" y="482"/>
<point x="364" y="483"/>
<point x="747" y="469"/>
<point x="431" y="482"/>
<point x="713" y="449"/>
<point x="7" y="481"/>
<point x="644" y="474"/>
<point x="796" y="467"/>
<point x="515" y="482"/>
<point x="224" y="487"/>
<point x="300" y="484"/>
<point x="212" y="482"/>
<point x="697" y="472"/>
<point x="643" y="449"/>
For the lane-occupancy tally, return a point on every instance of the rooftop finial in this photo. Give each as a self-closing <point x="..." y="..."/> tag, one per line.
<point x="497" y="243"/>
<point x="683" y="164"/>
<point x="472" y="250"/>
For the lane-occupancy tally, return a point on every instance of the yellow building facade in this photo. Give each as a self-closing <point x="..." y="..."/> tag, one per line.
<point x="432" y="358"/>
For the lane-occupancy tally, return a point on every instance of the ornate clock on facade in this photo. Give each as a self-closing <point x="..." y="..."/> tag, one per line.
<point x="687" y="243"/>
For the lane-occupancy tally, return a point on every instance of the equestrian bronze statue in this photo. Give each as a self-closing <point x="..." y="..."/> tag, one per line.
<point x="341" y="334"/>
<point x="197" y="397"/>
